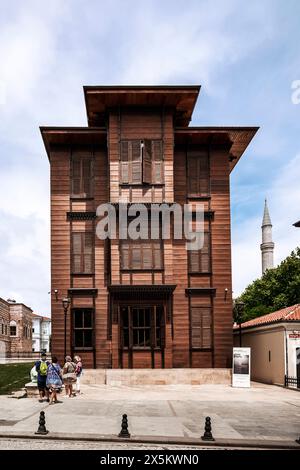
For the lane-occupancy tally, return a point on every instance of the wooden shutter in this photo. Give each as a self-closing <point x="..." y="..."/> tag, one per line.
<point x="206" y="327"/>
<point x="124" y="255"/>
<point x="201" y="327"/>
<point x="147" y="256"/>
<point x="203" y="173"/>
<point x="196" y="327"/>
<point x="76" y="176"/>
<point x="193" y="186"/>
<point x="82" y="176"/>
<point x="157" y="161"/>
<point x="124" y="163"/>
<point x="199" y="260"/>
<point x="82" y="252"/>
<point x="136" y="162"/>
<point x="88" y="253"/>
<point x="205" y="254"/>
<point x="198" y="174"/>
<point x="193" y="256"/>
<point x="86" y="176"/>
<point x="136" y="257"/>
<point x="157" y="255"/>
<point x="147" y="161"/>
<point x="76" y="252"/>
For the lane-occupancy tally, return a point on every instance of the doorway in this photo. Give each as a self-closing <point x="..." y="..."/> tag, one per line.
<point x="142" y="332"/>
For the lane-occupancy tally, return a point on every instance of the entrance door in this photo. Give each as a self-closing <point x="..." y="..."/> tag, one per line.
<point x="142" y="329"/>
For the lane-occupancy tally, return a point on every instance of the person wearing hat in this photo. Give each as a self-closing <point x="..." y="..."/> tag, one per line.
<point x="41" y="367"/>
<point x="69" y="376"/>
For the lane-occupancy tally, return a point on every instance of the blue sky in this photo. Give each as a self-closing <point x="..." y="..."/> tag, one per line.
<point x="245" y="56"/>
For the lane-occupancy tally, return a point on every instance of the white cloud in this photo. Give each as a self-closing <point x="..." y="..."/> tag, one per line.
<point x="48" y="51"/>
<point x="283" y="201"/>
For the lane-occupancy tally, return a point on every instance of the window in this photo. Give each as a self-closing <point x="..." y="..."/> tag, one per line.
<point x="83" y="328"/>
<point x="32" y="330"/>
<point x="81" y="176"/>
<point x="199" y="260"/>
<point x="6" y="329"/>
<point x="142" y="327"/>
<point x="198" y="174"/>
<point x="82" y="253"/>
<point x="2" y="328"/>
<point x="141" y="161"/>
<point x="201" y="327"/>
<point x="141" y="254"/>
<point x="13" y="328"/>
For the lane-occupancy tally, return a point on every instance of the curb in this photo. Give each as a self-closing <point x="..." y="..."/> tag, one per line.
<point x="240" y="443"/>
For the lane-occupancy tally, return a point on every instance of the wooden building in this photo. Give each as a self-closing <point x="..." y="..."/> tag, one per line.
<point x="141" y="304"/>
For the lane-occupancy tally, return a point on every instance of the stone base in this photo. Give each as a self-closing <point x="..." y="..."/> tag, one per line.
<point x="32" y="390"/>
<point x="131" y="377"/>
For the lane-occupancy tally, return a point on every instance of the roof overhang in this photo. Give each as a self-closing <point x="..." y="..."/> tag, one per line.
<point x="283" y="322"/>
<point x="297" y="224"/>
<point x="80" y="136"/>
<point x="236" y="139"/>
<point x="99" y="99"/>
<point x="123" y="291"/>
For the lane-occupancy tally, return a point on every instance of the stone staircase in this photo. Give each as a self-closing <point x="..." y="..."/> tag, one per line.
<point x="132" y="377"/>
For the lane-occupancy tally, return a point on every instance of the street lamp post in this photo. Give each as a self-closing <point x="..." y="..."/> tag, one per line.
<point x="65" y="303"/>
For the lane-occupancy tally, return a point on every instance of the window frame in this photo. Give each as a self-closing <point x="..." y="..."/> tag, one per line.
<point x="197" y="155"/>
<point x="156" y="341"/>
<point x="207" y="233"/>
<point x="91" y="311"/>
<point x="201" y="328"/>
<point x="13" y="324"/>
<point x="82" y="157"/>
<point x="141" y="243"/>
<point x="148" y="162"/>
<point x="82" y="253"/>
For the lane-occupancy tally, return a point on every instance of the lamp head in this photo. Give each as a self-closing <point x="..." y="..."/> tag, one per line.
<point x="66" y="303"/>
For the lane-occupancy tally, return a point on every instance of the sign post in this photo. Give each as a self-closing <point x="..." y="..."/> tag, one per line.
<point x="241" y="367"/>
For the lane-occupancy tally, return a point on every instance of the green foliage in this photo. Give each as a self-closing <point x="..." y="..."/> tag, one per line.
<point x="278" y="288"/>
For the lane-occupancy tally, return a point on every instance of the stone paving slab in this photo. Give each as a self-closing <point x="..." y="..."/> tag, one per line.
<point x="262" y="412"/>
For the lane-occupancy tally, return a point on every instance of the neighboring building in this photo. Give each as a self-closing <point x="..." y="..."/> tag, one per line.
<point x="142" y="304"/>
<point x="4" y="328"/>
<point x="267" y="246"/>
<point x="41" y="333"/>
<point x="274" y="340"/>
<point x="20" y="328"/>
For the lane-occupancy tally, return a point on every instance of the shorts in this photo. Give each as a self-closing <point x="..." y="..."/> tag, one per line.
<point x="41" y="383"/>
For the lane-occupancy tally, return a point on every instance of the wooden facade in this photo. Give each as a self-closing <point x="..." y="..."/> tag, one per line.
<point x="141" y="304"/>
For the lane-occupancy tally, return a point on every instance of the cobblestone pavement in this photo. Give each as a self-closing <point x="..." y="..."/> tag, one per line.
<point x="33" y="444"/>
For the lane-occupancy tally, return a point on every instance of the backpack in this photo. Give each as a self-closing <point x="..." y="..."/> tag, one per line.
<point x="43" y="368"/>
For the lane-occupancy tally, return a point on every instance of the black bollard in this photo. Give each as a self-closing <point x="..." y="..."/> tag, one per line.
<point x="124" y="430"/>
<point x="42" y="424"/>
<point x="207" y="434"/>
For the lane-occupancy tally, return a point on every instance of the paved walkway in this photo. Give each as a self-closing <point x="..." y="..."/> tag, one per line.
<point x="262" y="412"/>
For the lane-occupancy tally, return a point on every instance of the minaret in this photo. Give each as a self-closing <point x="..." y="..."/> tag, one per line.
<point x="267" y="246"/>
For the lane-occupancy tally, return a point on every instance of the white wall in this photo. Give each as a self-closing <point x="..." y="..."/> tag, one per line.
<point x="293" y="344"/>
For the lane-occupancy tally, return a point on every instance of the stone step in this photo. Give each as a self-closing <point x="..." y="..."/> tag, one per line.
<point x="131" y="377"/>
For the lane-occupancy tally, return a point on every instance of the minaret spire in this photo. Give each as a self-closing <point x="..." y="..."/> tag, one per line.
<point x="267" y="246"/>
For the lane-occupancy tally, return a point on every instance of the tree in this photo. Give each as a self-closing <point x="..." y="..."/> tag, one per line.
<point x="276" y="289"/>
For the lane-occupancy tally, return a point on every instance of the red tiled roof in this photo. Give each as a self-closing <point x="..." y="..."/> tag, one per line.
<point x="285" y="314"/>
